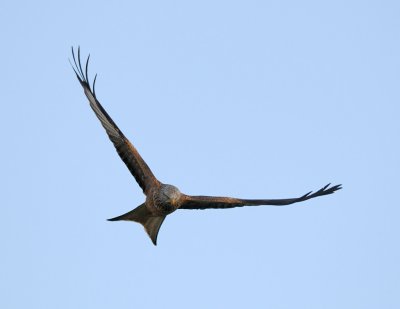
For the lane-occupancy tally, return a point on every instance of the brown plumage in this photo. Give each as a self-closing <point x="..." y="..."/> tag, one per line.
<point x="163" y="199"/>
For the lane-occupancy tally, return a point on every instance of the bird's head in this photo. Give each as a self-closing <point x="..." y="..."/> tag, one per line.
<point x="172" y="194"/>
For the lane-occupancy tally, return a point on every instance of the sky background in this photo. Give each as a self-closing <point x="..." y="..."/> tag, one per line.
<point x="253" y="99"/>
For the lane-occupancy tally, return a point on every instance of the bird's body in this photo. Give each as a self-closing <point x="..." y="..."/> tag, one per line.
<point x="163" y="199"/>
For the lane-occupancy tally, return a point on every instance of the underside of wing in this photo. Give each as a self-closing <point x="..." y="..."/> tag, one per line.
<point x="128" y="153"/>
<point x="207" y="202"/>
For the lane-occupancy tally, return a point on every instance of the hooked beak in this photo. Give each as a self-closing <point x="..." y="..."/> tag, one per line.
<point x="175" y="201"/>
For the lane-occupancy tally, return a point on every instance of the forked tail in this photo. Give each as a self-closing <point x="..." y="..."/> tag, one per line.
<point x="143" y="216"/>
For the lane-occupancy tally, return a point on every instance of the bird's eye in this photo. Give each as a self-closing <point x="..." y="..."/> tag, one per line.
<point x="165" y="195"/>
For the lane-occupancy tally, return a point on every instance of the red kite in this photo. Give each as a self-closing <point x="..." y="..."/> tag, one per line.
<point x="163" y="199"/>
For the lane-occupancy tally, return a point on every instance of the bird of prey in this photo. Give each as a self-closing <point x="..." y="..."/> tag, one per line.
<point x="163" y="199"/>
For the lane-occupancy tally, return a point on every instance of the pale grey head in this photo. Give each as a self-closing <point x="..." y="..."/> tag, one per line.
<point x="168" y="198"/>
<point x="170" y="193"/>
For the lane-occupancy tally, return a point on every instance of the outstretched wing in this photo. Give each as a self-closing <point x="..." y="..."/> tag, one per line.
<point x="128" y="153"/>
<point x="206" y="202"/>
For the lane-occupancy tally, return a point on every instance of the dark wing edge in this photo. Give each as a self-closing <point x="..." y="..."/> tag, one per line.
<point x="209" y="202"/>
<point x="128" y="153"/>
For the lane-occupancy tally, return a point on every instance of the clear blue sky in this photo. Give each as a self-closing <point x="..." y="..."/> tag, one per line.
<point x="254" y="99"/>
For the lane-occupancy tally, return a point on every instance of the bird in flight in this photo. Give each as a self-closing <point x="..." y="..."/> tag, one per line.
<point x="163" y="199"/>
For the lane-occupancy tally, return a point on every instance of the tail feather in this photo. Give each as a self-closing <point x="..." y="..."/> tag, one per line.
<point x="143" y="216"/>
<point x="152" y="227"/>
